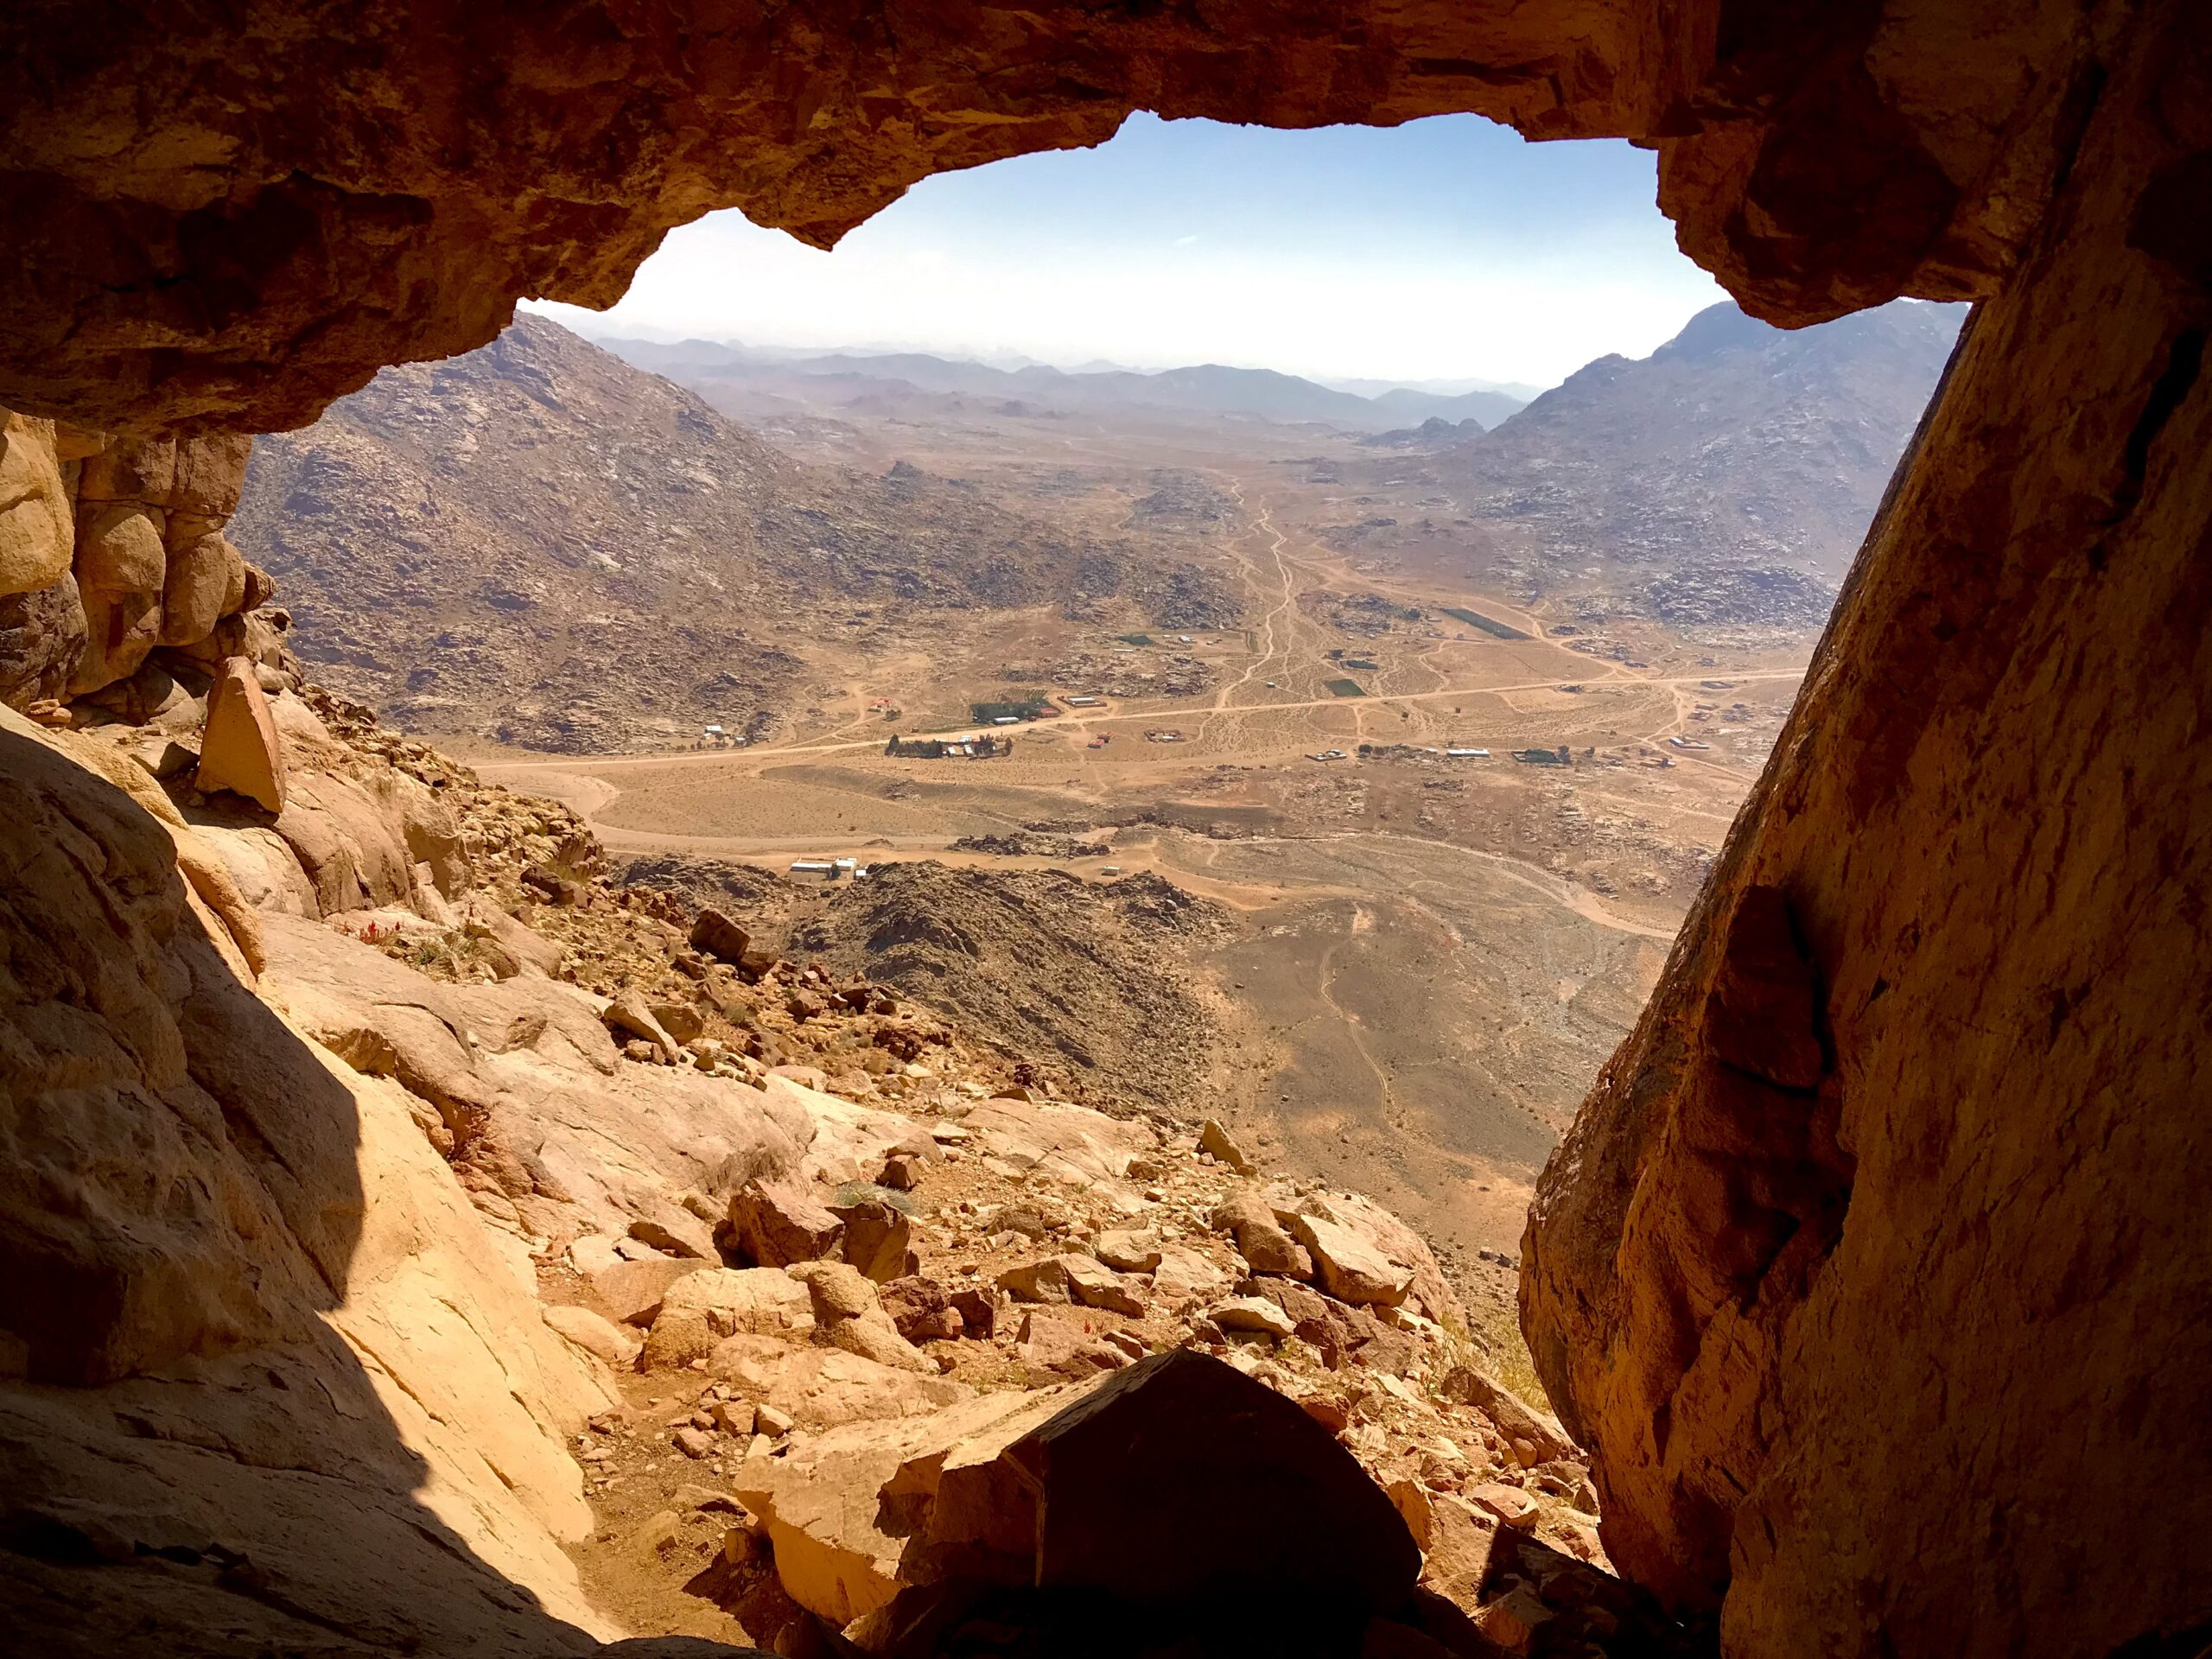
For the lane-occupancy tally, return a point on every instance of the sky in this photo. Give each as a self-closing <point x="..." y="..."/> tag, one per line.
<point x="1445" y="249"/>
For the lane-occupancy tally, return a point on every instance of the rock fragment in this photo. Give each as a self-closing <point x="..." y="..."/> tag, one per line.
<point x="778" y="1223"/>
<point x="719" y="938"/>
<point x="239" y="750"/>
<point x="1217" y="1142"/>
<point x="1350" y="1268"/>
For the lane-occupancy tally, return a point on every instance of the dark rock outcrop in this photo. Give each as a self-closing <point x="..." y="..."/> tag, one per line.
<point x="1866" y="1272"/>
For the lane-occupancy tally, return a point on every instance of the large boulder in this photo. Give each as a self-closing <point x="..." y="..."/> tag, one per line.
<point x="777" y="1223"/>
<point x="37" y="532"/>
<point x="126" y="468"/>
<point x="1350" y="1267"/>
<point x="822" y="1388"/>
<point x="239" y="750"/>
<point x="1175" y="1482"/>
<point x="719" y="937"/>
<point x="42" y="641"/>
<point x="702" y="1309"/>
<point x="1247" y="1217"/>
<point x="877" y="1238"/>
<point x="1134" y="1481"/>
<point x="210" y="474"/>
<point x="849" y="1314"/>
<point x="1070" y="1142"/>
<point x="205" y="578"/>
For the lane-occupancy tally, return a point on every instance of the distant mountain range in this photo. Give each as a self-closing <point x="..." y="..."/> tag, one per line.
<point x="1203" y="389"/>
<point x="541" y="543"/>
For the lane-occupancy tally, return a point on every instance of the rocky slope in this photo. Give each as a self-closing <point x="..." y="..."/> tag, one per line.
<point x="1085" y="980"/>
<point x="418" y="1243"/>
<point x="539" y="544"/>
<point x="1728" y="478"/>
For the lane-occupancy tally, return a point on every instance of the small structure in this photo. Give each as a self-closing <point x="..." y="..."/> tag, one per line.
<point x="983" y="747"/>
<point x="1466" y="754"/>
<point x="826" y="868"/>
<point x="1688" y="743"/>
<point x="1083" y="703"/>
<point x="1110" y="869"/>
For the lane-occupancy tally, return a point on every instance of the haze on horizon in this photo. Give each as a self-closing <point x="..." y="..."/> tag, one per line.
<point x="1448" y="249"/>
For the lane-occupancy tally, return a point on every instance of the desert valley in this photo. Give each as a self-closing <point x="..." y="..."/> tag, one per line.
<point x="1432" y="731"/>
<point x="754" y="900"/>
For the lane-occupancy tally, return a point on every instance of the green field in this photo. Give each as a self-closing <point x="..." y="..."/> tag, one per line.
<point x="1347" y="689"/>
<point x="1476" y="620"/>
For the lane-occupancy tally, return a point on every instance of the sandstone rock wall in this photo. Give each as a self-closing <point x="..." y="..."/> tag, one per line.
<point x="112" y="547"/>
<point x="264" y="1379"/>
<point x="1868" y="1271"/>
<point x="244" y="214"/>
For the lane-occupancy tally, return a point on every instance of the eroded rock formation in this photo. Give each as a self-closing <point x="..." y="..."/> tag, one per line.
<point x="243" y="214"/>
<point x="1867" y="1267"/>
<point x="1871" y="1275"/>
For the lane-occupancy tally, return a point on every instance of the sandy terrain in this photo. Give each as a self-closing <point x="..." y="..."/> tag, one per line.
<point x="1432" y="956"/>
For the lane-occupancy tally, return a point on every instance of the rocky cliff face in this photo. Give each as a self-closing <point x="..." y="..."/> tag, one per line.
<point x="114" y="568"/>
<point x="1864" y="1267"/>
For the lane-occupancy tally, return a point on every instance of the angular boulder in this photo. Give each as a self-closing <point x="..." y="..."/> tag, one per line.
<point x="877" y="1238"/>
<point x="827" y="1388"/>
<point x="1535" y="1436"/>
<point x="848" y="1314"/>
<point x="634" y="1292"/>
<point x="1039" y="1281"/>
<point x="1247" y="1217"/>
<point x="598" y="1336"/>
<point x="1216" y="1141"/>
<point x="779" y="1222"/>
<point x="1133" y="1484"/>
<point x="239" y="750"/>
<point x="719" y="938"/>
<point x="922" y="1309"/>
<point x="1350" y="1268"/>
<point x="701" y="1309"/>
<point x="1096" y="1285"/>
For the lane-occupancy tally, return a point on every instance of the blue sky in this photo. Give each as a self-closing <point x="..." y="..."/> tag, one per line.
<point x="1445" y="249"/>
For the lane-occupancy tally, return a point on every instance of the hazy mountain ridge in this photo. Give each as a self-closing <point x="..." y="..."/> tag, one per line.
<point x="1210" y="388"/>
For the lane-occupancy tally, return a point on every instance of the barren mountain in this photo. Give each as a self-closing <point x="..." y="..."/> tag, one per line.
<point x="1728" y="476"/>
<point x="539" y="544"/>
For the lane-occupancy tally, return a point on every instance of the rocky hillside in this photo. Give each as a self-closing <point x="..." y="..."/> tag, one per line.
<point x="1088" y="980"/>
<point x="1728" y="476"/>
<point x="537" y="543"/>
<point x="432" y="1192"/>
